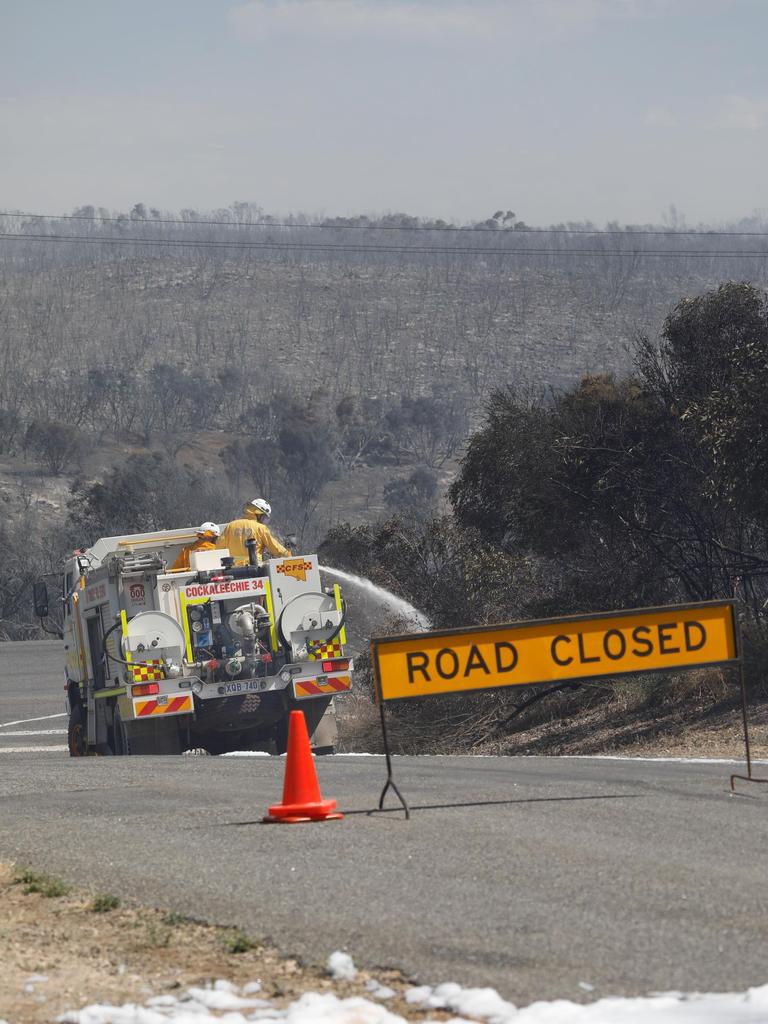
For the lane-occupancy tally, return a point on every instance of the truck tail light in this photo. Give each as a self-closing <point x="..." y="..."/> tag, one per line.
<point x="337" y="665"/>
<point x="145" y="689"/>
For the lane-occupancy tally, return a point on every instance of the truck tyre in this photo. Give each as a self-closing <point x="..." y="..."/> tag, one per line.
<point x="76" y="732"/>
<point x="325" y="735"/>
<point x="281" y="734"/>
<point x="150" y="738"/>
<point x="119" y="737"/>
<point x="215" y="744"/>
<point x="322" y="739"/>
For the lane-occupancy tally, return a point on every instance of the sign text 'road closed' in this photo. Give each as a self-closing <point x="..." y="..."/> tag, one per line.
<point x="523" y="654"/>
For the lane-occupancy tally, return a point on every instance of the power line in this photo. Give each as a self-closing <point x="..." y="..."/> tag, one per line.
<point x="333" y="247"/>
<point x="385" y="227"/>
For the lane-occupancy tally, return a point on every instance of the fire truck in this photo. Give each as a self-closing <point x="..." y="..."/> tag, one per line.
<point x="210" y="658"/>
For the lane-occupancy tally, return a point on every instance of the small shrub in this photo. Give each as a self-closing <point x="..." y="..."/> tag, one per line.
<point x="104" y="903"/>
<point x="157" y="937"/>
<point x="49" y="887"/>
<point x="173" y="919"/>
<point x="236" y="941"/>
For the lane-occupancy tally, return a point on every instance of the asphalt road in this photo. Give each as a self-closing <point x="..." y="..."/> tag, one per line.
<point x="32" y="715"/>
<point x="530" y="874"/>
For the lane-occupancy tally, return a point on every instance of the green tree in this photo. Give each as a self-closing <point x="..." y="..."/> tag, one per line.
<point x="644" y="489"/>
<point x="712" y="368"/>
<point x="586" y="481"/>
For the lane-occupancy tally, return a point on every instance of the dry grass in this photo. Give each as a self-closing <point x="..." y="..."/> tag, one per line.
<point x="58" y="955"/>
<point x="359" y="725"/>
<point x="695" y="714"/>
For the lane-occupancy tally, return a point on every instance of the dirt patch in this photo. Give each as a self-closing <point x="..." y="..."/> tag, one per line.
<point x="59" y="952"/>
<point x="694" y="715"/>
<point x="643" y="734"/>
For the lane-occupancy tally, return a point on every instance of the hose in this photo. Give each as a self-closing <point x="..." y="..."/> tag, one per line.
<point x="121" y="661"/>
<point x="312" y="645"/>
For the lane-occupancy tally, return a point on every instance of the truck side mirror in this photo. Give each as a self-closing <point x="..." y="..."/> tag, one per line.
<point x="40" y="599"/>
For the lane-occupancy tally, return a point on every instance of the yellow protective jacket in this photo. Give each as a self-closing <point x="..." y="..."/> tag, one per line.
<point x="182" y="562"/>
<point x="241" y="530"/>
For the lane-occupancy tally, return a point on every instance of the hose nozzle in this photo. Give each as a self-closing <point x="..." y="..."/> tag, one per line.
<point x="251" y="545"/>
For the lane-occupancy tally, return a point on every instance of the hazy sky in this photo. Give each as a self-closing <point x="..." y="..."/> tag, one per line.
<point x="556" y="109"/>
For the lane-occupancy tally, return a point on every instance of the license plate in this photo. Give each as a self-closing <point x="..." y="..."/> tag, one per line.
<point x="247" y="686"/>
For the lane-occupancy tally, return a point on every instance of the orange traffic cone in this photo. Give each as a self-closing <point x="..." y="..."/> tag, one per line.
<point x="302" y="800"/>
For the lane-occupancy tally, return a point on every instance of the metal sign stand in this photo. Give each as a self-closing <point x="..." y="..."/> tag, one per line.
<point x="749" y="776"/>
<point x="733" y="659"/>
<point x="390" y="783"/>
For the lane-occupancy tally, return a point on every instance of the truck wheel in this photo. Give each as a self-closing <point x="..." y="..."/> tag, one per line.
<point x="281" y="735"/>
<point x="150" y="738"/>
<point x="120" y="745"/>
<point x="216" y="745"/>
<point x="322" y="735"/>
<point x="325" y="735"/>
<point x="76" y="737"/>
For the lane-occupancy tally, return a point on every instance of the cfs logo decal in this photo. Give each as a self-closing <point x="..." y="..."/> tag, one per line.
<point x="297" y="568"/>
<point x="137" y="593"/>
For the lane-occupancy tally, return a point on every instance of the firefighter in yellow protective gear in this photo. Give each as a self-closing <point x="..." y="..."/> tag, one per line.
<point x="207" y="540"/>
<point x="252" y="525"/>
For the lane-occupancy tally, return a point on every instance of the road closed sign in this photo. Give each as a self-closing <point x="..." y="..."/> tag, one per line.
<point x="555" y="650"/>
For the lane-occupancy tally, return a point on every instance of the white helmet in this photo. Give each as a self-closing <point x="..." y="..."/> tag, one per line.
<point x="208" y="530"/>
<point x="259" y="505"/>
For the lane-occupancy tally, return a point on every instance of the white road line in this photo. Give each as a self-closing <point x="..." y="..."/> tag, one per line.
<point x="30" y="750"/>
<point x="659" y="760"/>
<point x="34" y="732"/>
<point x="23" y="721"/>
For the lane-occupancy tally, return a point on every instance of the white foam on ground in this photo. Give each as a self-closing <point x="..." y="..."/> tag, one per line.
<point x="225" y="1003"/>
<point x="263" y="753"/>
<point x="341" y="966"/>
<point x="223" y="996"/>
<point x="379" y="991"/>
<point x="247" y="753"/>
<point x="513" y="757"/>
<point x="482" y="1003"/>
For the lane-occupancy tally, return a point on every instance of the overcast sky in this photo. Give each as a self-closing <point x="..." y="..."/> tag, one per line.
<point x="557" y="109"/>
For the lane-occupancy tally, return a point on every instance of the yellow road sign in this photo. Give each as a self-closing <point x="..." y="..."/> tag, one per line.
<point x="554" y="650"/>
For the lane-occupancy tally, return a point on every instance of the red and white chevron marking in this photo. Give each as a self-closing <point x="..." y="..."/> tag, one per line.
<point x="170" y="706"/>
<point x="313" y="688"/>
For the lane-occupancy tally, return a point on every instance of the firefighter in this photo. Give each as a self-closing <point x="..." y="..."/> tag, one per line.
<point x="256" y="513"/>
<point x="207" y="538"/>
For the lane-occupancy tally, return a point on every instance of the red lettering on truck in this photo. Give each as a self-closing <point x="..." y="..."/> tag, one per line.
<point x="228" y="587"/>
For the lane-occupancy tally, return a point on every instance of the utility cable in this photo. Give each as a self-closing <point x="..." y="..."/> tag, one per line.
<point x="312" y="247"/>
<point x="293" y="225"/>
